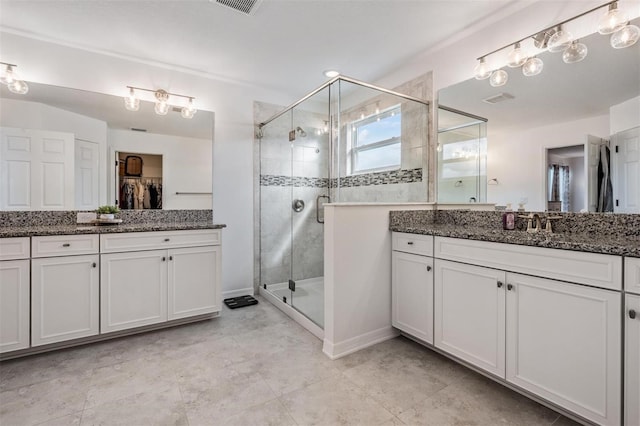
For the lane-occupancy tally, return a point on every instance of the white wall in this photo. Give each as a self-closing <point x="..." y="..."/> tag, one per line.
<point x="518" y="178"/>
<point x="625" y="115"/>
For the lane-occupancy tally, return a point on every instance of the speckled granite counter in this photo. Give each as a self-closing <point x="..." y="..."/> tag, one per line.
<point x="609" y="240"/>
<point x="31" y="231"/>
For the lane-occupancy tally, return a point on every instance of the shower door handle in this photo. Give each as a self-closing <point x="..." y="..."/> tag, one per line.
<point x="318" y="207"/>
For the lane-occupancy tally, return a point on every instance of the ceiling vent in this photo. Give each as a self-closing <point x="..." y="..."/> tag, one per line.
<point x="248" y="7"/>
<point x="136" y="129"/>
<point x="500" y="97"/>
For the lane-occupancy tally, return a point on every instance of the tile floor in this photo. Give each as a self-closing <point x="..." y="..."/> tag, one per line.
<point x="252" y="366"/>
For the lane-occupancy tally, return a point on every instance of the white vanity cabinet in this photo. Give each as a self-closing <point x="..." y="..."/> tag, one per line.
<point x="470" y="314"/>
<point x="64" y="288"/>
<point x="559" y="340"/>
<point x="412" y="285"/>
<point x="632" y="360"/>
<point x="143" y="287"/>
<point x="14" y="294"/>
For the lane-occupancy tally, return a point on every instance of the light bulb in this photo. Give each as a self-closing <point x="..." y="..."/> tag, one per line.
<point x="161" y="107"/>
<point x="612" y="21"/>
<point x="499" y="78"/>
<point x="9" y="76"/>
<point x="574" y="53"/>
<point x="131" y="102"/>
<point x="18" y="86"/>
<point x="532" y="67"/>
<point x="482" y="70"/>
<point x="627" y="36"/>
<point x="560" y="40"/>
<point x="189" y="111"/>
<point x="516" y="57"/>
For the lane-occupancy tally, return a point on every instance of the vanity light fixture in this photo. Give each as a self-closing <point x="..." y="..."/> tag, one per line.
<point x="12" y="81"/>
<point x="161" y="107"/>
<point x="556" y="39"/>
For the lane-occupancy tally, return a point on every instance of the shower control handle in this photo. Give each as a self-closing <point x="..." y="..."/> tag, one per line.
<point x="297" y="205"/>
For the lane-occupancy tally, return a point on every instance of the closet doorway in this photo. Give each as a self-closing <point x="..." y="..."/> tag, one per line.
<point x="138" y="181"/>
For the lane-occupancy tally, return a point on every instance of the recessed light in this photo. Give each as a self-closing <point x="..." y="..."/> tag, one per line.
<point x="331" y="73"/>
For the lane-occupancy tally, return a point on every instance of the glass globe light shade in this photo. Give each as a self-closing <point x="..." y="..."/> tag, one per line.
<point x="482" y="70"/>
<point x="499" y="78"/>
<point x="532" y="67"/>
<point x="574" y="53"/>
<point x="9" y="76"/>
<point x="627" y="36"/>
<point x="18" y="86"/>
<point x="161" y="108"/>
<point x="189" y="111"/>
<point x="612" y="21"/>
<point x="516" y="57"/>
<point x="131" y="102"/>
<point x="560" y="41"/>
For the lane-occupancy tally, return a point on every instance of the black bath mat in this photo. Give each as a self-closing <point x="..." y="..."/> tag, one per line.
<point x="240" y="302"/>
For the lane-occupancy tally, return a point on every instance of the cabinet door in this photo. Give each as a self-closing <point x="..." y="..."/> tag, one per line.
<point x="133" y="290"/>
<point x="564" y="344"/>
<point x="632" y="361"/>
<point x="194" y="281"/>
<point x="14" y="305"/>
<point x="469" y="306"/>
<point x="412" y="295"/>
<point x="64" y="298"/>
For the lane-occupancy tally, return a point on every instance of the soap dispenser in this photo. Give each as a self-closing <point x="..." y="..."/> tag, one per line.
<point x="508" y="219"/>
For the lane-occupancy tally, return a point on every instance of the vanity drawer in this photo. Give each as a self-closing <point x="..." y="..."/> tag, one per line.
<point x="412" y="243"/>
<point x="64" y="245"/>
<point x="136" y="241"/>
<point x="599" y="270"/>
<point x="632" y="275"/>
<point x="14" y="248"/>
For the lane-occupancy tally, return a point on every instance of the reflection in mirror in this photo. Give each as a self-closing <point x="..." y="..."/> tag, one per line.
<point x="594" y="104"/>
<point x="59" y="146"/>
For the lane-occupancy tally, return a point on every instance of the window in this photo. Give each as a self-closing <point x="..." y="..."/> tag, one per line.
<point x="375" y="142"/>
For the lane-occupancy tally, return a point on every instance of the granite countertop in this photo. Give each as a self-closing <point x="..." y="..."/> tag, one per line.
<point x="593" y="243"/>
<point x="31" y="231"/>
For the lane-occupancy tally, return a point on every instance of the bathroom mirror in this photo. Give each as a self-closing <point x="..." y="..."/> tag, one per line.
<point x="90" y="128"/>
<point x="579" y="104"/>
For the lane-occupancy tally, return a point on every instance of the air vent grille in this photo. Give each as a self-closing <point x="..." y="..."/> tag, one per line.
<point x="245" y="6"/>
<point x="135" y="129"/>
<point x="500" y="97"/>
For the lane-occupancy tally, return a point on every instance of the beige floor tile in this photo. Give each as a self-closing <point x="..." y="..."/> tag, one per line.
<point x="157" y="406"/>
<point x="68" y="420"/>
<point x="334" y="401"/>
<point x="43" y="401"/>
<point x="271" y="413"/>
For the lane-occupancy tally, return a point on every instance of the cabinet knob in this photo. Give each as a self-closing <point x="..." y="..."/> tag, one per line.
<point x="410" y="243"/>
<point x="428" y="268"/>
<point x="510" y="287"/>
<point x="500" y="284"/>
<point x="166" y="240"/>
<point x="93" y="265"/>
<point x="164" y="258"/>
<point x="66" y="245"/>
<point x="632" y="314"/>
<point x="170" y="257"/>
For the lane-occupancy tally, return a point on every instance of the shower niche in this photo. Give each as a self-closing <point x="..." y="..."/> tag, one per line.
<point x="345" y="142"/>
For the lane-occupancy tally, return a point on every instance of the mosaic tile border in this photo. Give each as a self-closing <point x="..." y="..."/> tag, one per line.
<point x="366" y="179"/>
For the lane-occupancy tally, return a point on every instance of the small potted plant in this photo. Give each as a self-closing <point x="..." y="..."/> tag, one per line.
<point x="107" y="212"/>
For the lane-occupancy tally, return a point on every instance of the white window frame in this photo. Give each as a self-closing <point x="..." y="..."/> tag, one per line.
<point x="354" y="150"/>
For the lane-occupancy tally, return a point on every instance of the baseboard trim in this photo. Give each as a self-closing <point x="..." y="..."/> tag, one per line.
<point x="354" y="344"/>
<point x="237" y="293"/>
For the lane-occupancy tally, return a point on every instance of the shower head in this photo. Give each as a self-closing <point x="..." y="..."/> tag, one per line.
<point x="301" y="132"/>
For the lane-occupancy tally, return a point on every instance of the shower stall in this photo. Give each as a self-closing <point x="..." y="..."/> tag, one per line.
<point x="345" y="142"/>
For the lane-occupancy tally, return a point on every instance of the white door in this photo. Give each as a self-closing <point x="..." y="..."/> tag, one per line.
<point x="64" y="298"/>
<point x="412" y="294"/>
<point x="194" y="281"/>
<point x="14" y="305"/>
<point x="632" y="361"/>
<point x="87" y="168"/>
<point x="469" y="306"/>
<point x="133" y="289"/>
<point x="37" y="170"/>
<point x="564" y="344"/>
<point x="625" y="173"/>
<point x="591" y="159"/>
